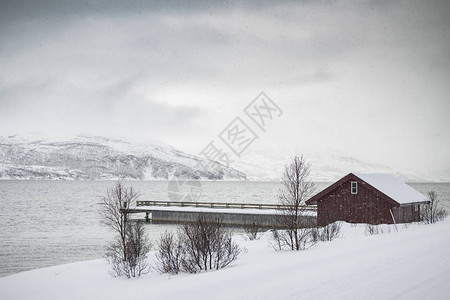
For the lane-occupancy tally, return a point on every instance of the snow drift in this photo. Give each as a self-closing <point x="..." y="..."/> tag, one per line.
<point x="410" y="264"/>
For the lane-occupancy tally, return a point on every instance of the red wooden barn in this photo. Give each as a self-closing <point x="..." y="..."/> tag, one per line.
<point x="368" y="198"/>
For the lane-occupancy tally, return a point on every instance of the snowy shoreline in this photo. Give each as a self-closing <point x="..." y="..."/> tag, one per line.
<point x="412" y="263"/>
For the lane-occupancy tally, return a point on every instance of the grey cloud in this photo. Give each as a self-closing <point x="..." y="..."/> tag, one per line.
<point x="23" y="9"/>
<point x="111" y="66"/>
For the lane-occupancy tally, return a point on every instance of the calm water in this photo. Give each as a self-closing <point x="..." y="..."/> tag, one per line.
<point x="46" y="223"/>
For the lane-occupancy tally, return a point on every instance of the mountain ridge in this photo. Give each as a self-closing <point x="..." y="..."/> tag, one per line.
<point x="100" y="158"/>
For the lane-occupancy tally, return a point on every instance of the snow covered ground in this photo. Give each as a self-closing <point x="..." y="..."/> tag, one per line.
<point x="413" y="263"/>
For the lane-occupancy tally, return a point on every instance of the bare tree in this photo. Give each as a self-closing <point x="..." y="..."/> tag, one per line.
<point x="296" y="189"/>
<point x="433" y="212"/>
<point x="127" y="253"/>
<point x="114" y="215"/>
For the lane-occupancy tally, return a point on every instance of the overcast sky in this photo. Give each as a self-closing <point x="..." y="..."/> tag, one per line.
<point x="369" y="79"/>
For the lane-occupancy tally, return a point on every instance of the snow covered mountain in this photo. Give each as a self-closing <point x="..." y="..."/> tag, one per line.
<point x="327" y="165"/>
<point x="98" y="158"/>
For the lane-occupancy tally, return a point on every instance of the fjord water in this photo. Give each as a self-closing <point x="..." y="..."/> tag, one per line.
<point x="44" y="223"/>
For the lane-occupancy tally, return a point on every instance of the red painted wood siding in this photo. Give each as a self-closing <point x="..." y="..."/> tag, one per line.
<point x="366" y="206"/>
<point x="406" y="214"/>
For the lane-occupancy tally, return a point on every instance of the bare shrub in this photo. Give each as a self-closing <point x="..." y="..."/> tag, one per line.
<point x="276" y="241"/>
<point x="372" y="229"/>
<point x="208" y="245"/>
<point x="114" y="255"/>
<point x="202" y="245"/>
<point x="328" y="232"/>
<point x="138" y="246"/>
<point x="433" y="212"/>
<point x="284" y="239"/>
<point x="170" y="254"/>
<point x="441" y="214"/>
<point x="307" y="236"/>
<point x="253" y="231"/>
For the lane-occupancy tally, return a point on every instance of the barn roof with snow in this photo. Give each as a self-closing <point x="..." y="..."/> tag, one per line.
<point x="396" y="189"/>
<point x="387" y="184"/>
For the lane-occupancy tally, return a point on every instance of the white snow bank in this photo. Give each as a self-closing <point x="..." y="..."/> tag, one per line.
<point x="413" y="263"/>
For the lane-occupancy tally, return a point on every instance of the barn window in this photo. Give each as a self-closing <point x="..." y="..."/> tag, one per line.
<point x="416" y="207"/>
<point x="354" y="187"/>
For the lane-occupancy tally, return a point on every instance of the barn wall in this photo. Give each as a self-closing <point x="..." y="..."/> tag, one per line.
<point x="406" y="214"/>
<point x="364" y="207"/>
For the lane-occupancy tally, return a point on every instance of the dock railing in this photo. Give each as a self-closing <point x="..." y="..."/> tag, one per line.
<point x="219" y="205"/>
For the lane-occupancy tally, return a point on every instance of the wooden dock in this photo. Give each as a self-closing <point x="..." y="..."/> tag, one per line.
<point x="236" y="214"/>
